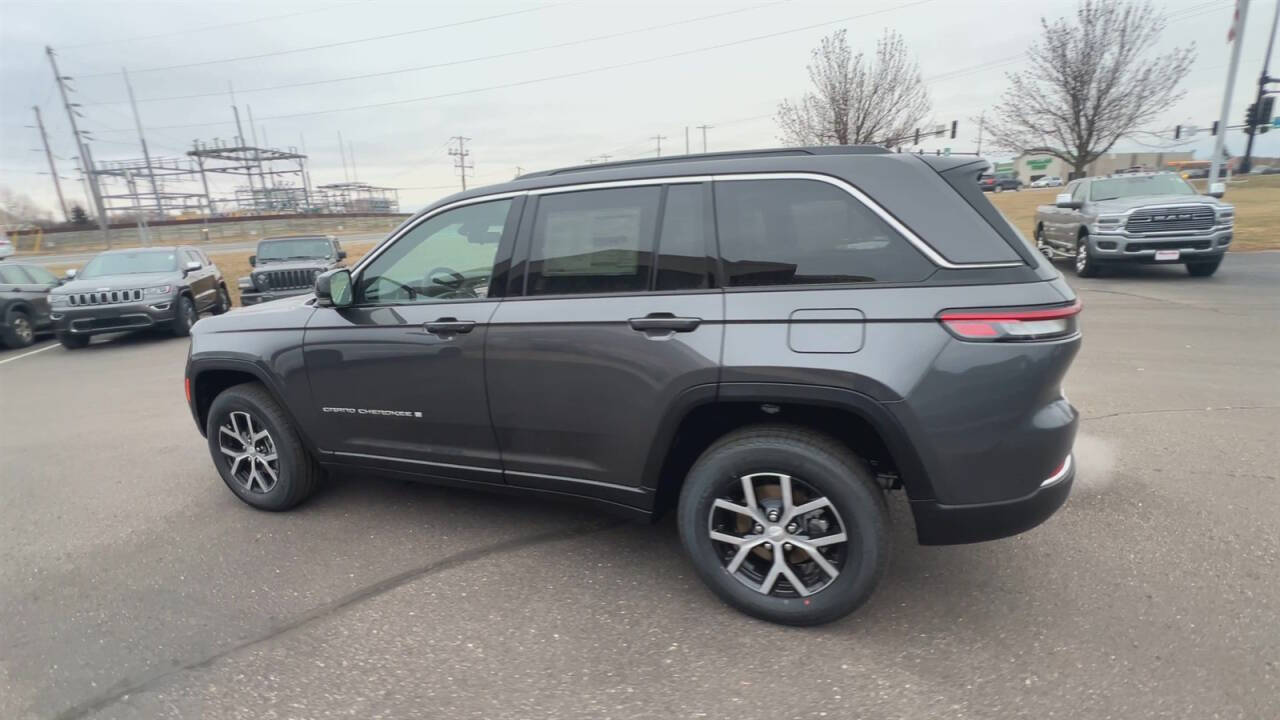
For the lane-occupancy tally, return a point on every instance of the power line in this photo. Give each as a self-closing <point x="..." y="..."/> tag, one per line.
<point x="576" y="73"/>
<point x="203" y="28"/>
<point x="340" y="43"/>
<point x="465" y="61"/>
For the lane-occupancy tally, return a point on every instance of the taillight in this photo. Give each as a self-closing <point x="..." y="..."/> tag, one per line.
<point x="1012" y="325"/>
<point x="186" y="386"/>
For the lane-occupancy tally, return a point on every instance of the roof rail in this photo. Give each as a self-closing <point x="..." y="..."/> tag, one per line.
<point x="729" y="155"/>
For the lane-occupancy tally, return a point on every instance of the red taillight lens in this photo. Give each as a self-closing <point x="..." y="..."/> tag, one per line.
<point x="1012" y="324"/>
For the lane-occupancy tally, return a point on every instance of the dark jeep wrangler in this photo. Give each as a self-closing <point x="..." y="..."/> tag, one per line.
<point x="287" y="266"/>
<point x="768" y="342"/>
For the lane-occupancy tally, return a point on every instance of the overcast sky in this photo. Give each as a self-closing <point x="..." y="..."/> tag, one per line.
<point x="728" y="71"/>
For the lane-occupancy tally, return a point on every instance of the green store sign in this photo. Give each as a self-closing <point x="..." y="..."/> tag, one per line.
<point x="1038" y="163"/>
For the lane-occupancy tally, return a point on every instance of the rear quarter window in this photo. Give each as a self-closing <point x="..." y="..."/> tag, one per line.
<point x="801" y="232"/>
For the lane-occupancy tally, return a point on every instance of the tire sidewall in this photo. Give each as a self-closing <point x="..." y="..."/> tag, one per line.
<point x="859" y="505"/>
<point x="1090" y="268"/>
<point x="11" y="336"/>
<point x="181" y="325"/>
<point x="279" y="497"/>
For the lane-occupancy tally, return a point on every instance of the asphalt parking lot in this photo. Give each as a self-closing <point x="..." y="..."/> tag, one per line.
<point x="134" y="585"/>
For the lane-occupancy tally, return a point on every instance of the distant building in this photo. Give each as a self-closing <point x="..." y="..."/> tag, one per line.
<point x="1033" y="166"/>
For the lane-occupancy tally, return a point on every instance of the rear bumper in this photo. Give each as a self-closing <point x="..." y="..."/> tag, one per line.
<point x="98" y="319"/>
<point x="939" y="524"/>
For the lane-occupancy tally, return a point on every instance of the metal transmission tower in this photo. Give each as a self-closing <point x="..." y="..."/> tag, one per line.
<point x="86" y="161"/>
<point x="460" y="155"/>
<point x="659" y="139"/>
<point x="142" y="139"/>
<point x="53" y="169"/>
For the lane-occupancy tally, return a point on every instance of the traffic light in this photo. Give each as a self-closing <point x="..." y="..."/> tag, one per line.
<point x="1177" y="132"/>
<point x="953" y="129"/>
<point x="1215" y="128"/>
<point x="917" y="136"/>
<point x="1250" y="118"/>
<point x="1264" y="113"/>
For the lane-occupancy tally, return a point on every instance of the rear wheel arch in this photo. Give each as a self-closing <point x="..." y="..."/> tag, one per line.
<point x="857" y="421"/>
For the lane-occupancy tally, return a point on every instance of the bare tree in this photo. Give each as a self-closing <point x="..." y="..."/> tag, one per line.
<point x="856" y="99"/>
<point x="18" y="209"/>
<point x="1089" y="83"/>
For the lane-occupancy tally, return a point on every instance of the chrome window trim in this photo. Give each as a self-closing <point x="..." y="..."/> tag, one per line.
<point x="916" y="241"/>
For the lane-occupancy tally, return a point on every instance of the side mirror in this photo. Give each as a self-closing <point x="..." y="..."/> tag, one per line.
<point x="1064" y="201"/>
<point x="342" y="254"/>
<point x="71" y="273"/>
<point x="333" y="288"/>
<point x="253" y="261"/>
<point x="191" y="267"/>
<point x="1217" y="189"/>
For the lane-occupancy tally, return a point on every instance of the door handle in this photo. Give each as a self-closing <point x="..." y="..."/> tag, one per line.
<point x="450" y="326"/>
<point x="664" y="321"/>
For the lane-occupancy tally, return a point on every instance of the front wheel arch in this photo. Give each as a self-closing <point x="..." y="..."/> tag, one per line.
<point x="211" y="378"/>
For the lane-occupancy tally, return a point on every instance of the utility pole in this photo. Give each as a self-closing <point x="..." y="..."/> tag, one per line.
<point x="460" y="155"/>
<point x="257" y="160"/>
<point x="351" y="153"/>
<point x="53" y="169"/>
<point x="86" y="161"/>
<point x="342" y="152"/>
<point x="1263" y="79"/>
<point x="306" y="174"/>
<point x="519" y="172"/>
<point x="982" y="123"/>
<point x="1236" y="36"/>
<point x="704" y="129"/>
<point x="146" y="156"/>
<point x="686" y="139"/>
<point x="659" y="139"/>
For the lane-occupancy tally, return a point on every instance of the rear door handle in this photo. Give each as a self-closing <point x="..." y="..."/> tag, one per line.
<point x="450" y="326"/>
<point x="665" y="321"/>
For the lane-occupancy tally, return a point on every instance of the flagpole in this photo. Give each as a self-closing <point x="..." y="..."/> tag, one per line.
<point x="1236" y="37"/>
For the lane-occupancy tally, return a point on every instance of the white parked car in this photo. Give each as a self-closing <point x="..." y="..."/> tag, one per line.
<point x="6" y="247"/>
<point x="1047" y="181"/>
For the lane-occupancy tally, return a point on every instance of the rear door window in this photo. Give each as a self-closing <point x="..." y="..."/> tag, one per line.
<point x="682" y="243"/>
<point x="593" y="241"/>
<point x="799" y="232"/>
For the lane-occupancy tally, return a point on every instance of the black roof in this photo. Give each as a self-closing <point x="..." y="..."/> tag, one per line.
<point x="730" y="155"/>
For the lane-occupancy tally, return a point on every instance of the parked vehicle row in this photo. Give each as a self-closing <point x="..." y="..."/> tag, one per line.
<point x="1047" y="181"/>
<point x="288" y="266"/>
<point x="764" y="342"/>
<point x="999" y="182"/>
<point x="1136" y="218"/>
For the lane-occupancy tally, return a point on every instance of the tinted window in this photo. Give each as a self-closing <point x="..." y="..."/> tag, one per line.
<point x="193" y="256"/>
<point x="682" y="244"/>
<point x="39" y="274"/>
<point x="1078" y="192"/>
<point x="599" y="241"/>
<point x="1139" y="185"/>
<point x="295" y="248"/>
<point x="448" y="257"/>
<point x="783" y="232"/>
<point x="13" y="275"/>
<point x="129" y="262"/>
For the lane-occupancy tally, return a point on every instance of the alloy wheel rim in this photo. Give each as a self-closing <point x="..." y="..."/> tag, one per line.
<point x="778" y="535"/>
<point x="249" y="451"/>
<point x="1082" y="256"/>
<point x="22" y="328"/>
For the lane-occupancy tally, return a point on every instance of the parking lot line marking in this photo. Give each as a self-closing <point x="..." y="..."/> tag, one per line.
<point x="32" y="352"/>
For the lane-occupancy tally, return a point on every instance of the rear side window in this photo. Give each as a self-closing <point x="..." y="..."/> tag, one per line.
<point x="596" y="241"/>
<point x="13" y="275"/>
<point x="682" y="244"/>
<point x="39" y="274"/>
<point x="797" y="232"/>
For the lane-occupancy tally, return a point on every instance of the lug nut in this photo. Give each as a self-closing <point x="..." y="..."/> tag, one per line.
<point x="758" y="529"/>
<point x="786" y="547"/>
<point x="773" y="516"/>
<point x="792" y="528"/>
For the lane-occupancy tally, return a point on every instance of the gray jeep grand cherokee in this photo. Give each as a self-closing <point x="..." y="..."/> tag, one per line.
<point x="136" y="289"/>
<point x="287" y="266"/>
<point x="768" y="342"/>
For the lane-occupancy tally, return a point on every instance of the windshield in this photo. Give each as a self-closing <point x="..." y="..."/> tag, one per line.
<point x="295" y="249"/>
<point x="1113" y="188"/>
<point x="128" y="263"/>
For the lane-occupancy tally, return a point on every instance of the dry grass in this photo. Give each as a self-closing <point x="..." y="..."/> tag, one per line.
<point x="1256" y="197"/>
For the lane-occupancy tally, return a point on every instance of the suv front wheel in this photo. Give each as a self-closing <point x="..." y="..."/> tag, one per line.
<point x="785" y="524"/>
<point x="256" y="450"/>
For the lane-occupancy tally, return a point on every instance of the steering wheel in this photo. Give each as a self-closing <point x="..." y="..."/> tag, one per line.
<point x="458" y="277"/>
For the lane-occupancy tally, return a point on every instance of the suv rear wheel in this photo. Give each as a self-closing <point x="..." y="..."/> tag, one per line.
<point x="184" y="316"/>
<point x="17" y="332"/>
<point x="785" y="524"/>
<point x="256" y="450"/>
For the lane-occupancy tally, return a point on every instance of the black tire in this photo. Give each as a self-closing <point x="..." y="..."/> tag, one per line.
<point x="296" y="472"/>
<point x="814" y="463"/>
<point x="1085" y="264"/>
<point x="18" y="331"/>
<point x="1041" y="246"/>
<point x="73" y="342"/>
<point x="184" y="316"/>
<point x="1204" y="269"/>
<point x="224" y="301"/>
